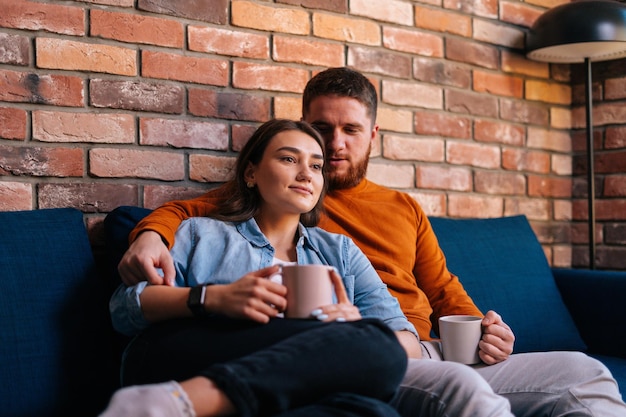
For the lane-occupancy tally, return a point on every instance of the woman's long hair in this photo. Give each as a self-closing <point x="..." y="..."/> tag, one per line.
<point x="242" y="203"/>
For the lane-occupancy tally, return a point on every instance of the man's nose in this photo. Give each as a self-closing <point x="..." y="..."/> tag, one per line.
<point x="335" y="140"/>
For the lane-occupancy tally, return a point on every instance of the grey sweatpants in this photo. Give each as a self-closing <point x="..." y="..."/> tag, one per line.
<point x="526" y="384"/>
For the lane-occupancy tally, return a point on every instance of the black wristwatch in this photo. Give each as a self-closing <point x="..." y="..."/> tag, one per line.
<point x="195" y="302"/>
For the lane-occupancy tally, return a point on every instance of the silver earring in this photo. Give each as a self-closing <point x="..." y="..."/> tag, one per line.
<point x="250" y="184"/>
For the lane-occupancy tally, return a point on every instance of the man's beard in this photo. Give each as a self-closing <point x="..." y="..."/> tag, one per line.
<point x="350" y="179"/>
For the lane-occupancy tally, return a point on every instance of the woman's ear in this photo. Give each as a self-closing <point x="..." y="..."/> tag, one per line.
<point x="248" y="174"/>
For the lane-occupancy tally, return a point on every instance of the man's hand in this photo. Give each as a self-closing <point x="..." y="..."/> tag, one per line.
<point x="144" y="255"/>
<point x="497" y="342"/>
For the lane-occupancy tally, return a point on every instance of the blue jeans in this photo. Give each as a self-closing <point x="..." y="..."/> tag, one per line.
<point x="286" y="367"/>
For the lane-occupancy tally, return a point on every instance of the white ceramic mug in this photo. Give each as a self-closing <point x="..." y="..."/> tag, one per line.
<point x="460" y="335"/>
<point x="308" y="288"/>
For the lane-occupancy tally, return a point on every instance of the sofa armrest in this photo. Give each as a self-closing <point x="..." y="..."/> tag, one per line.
<point x="595" y="300"/>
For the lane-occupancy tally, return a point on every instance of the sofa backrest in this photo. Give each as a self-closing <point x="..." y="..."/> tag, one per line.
<point x="55" y="332"/>
<point x="503" y="267"/>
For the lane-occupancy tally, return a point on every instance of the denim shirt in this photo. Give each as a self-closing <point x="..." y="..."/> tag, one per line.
<point x="209" y="251"/>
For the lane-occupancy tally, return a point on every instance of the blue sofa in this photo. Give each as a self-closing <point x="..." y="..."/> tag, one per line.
<point x="60" y="357"/>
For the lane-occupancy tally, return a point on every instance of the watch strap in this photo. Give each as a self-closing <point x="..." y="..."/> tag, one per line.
<point x="195" y="301"/>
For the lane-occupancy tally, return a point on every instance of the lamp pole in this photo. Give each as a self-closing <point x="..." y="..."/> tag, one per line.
<point x="591" y="187"/>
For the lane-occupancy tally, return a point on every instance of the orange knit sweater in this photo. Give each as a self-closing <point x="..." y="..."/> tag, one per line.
<point x="389" y="227"/>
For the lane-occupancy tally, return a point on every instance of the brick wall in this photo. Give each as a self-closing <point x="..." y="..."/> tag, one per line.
<point x="136" y="102"/>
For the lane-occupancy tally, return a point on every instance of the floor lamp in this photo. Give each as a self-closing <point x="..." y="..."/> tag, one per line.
<point x="582" y="31"/>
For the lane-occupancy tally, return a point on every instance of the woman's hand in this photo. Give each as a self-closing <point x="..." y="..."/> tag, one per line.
<point x="252" y="297"/>
<point x="344" y="310"/>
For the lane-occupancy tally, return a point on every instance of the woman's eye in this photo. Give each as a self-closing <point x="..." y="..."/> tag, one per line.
<point x="317" y="167"/>
<point x="289" y="159"/>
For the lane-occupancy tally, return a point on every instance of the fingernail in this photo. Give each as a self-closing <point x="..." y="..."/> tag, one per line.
<point x="341" y="319"/>
<point x="322" y="317"/>
<point x="316" y="312"/>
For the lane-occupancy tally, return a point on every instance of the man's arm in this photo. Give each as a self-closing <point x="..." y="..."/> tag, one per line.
<point x="151" y="239"/>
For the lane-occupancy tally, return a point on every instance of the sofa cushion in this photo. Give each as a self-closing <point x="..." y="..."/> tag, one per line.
<point x="503" y="267"/>
<point x="55" y="354"/>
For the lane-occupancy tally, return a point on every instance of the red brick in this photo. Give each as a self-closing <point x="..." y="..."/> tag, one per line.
<point x="518" y="64"/>
<point x="395" y="120"/>
<point x="88" y="198"/>
<point x="498" y="34"/>
<point x="519" y="14"/>
<point x="412" y="94"/>
<point x="287" y="108"/>
<point x="184" y="134"/>
<point x="417" y="43"/>
<point x="484" y="8"/>
<point x="548" y="92"/>
<point x="473" y="154"/>
<point x="379" y="62"/>
<point x="444" y="178"/>
<point x="251" y="76"/>
<point x="611" y="163"/>
<point x="30" y="15"/>
<point x="442" y="124"/>
<point x="611" y="258"/>
<point x="524" y="112"/>
<point x="433" y="204"/>
<point x="211" y="168"/>
<point x="119" y="3"/>
<point x="412" y="148"/>
<point x="533" y="208"/>
<point x="395" y="176"/>
<point x="13" y="123"/>
<point x="498" y="84"/>
<point x="211" y="11"/>
<point x="240" y="135"/>
<point x="441" y="72"/>
<point x="615" y="234"/>
<point x="268" y="18"/>
<point x="499" y="132"/>
<point x="615" y="137"/>
<point x="137" y="95"/>
<point x="549" y="139"/>
<point x="156" y="195"/>
<point x="52" y="126"/>
<point x="133" y="28"/>
<point x="471" y="52"/>
<point x="228" y="42"/>
<point x="615" y="89"/>
<point x="57" y="90"/>
<point x="614" y="186"/>
<point x="15" y="195"/>
<point x="42" y="162"/>
<point x="493" y="182"/>
<point x="525" y="160"/>
<point x="471" y="206"/>
<point x="611" y="209"/>
<point x="227" y="105"/>
<point x="81" y="56"/>
<point x="303" y="51"/>
<point x="442" y="21"/>
<point x="130" y="163"/>
<point x="339" y="6"/>
<point x="184" y="68"/>
<point x="541" y="186"/>
<point x="345" y="29"/>
<point x="14" y="49"/>
<point x="393" y="11"/>
<point x="471" y="103"/>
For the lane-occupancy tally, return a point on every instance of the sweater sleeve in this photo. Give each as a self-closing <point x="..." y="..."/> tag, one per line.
<point x="443" y="289"/>
<point x="166" y="219"/>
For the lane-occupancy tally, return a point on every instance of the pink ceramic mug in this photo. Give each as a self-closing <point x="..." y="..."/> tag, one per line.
<point x="308" y="287"/>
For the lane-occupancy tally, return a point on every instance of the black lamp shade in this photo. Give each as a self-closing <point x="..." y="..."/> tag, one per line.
<point x="571" y="32"/>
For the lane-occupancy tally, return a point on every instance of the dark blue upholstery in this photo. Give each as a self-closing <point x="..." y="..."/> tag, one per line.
<point x="503" y="268"/>
<point x="55" y="357"/>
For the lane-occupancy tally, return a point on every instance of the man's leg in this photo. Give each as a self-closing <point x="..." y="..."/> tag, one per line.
<point x="344" y="405"/>
<point x="435" y="388"/>
<point x="555" y="383"/>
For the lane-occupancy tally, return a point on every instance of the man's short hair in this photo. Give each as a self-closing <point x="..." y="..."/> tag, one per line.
<point x="342" y="82"/>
